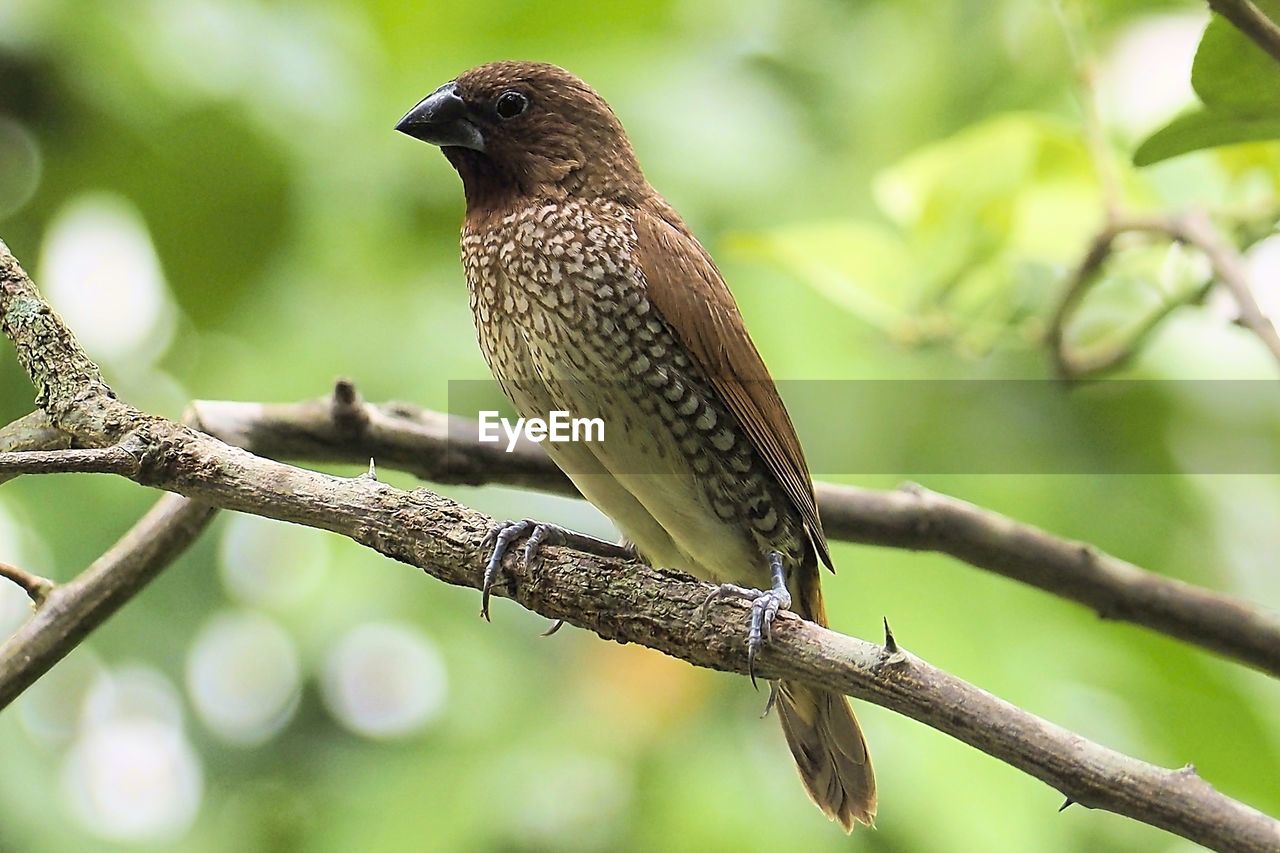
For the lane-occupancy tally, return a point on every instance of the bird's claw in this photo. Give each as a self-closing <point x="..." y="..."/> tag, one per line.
<point x="498" y="541"/>
<point x="499" y="538"/>
<point x="765" y="604"/>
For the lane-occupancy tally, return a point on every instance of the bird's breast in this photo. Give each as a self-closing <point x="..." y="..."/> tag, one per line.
<point x="565" y="323"/>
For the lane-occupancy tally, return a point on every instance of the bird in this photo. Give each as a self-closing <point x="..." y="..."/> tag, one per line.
<point x="591" y="294"/>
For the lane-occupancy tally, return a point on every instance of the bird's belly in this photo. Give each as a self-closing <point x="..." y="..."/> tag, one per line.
<point x="642" y="475"/>
<point x="674" y="472"/>
<point x="639" y="478"/>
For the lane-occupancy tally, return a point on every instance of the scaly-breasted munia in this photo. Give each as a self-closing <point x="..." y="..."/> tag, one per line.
<point x="591" y="296"/>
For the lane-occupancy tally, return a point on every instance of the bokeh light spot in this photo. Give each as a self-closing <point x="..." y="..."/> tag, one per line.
<point x="243" y="677"/>
<point x="270" y="563"/>
<point x="100" y="271"/>
<point x="134" y="779"/>
<point x="51" y="709"/>
<point x="385" y="680"/>
<point x="20" y="165"/>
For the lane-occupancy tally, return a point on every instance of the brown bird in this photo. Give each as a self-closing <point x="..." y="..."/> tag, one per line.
<point x="591" y="296"/>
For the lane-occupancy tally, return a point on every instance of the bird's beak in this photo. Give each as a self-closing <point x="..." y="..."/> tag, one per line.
<point x="441" y="118"/>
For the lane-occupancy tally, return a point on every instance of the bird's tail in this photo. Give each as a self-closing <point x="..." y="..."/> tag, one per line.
<point x="829" y="751"/>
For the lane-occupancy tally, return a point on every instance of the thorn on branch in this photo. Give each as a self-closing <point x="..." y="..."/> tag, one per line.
<point x="1068" y="802"/>
<point x="890" y="644"/>
<point x="372" y="474"/>
<point x="37" y="588"/>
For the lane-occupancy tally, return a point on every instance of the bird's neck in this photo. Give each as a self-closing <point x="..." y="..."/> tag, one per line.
<point x="492" y="189"/>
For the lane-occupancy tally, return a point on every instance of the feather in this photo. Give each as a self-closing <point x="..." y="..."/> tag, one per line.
<point x="688" y="291"/>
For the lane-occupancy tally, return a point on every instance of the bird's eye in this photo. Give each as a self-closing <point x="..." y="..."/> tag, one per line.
<point x="511" y="104"/>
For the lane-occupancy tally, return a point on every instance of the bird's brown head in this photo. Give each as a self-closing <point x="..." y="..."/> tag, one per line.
<point x="527" y="130"/>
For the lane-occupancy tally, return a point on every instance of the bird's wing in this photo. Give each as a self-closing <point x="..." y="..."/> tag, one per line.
<point x="687" y="289"/>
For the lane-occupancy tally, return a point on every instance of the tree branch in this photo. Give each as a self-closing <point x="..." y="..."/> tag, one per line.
<point x="1193" y="229"/>
<point x="32" y="432"/>
<point x="117" y="459"/>
<point x="72" y="610"/>
<point x="1248" y="19"/>
<point x="628" y="602"/>
<point x="442" y="448"/>
<point x="36" y="587"/>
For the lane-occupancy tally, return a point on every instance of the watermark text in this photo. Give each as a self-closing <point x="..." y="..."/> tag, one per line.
<point x="559" y="426"/>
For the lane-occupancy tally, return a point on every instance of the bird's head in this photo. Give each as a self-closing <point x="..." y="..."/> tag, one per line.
<point x="527" y="130"/>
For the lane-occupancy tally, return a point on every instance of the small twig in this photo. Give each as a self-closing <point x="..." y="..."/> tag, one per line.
<point x="73" y="609"/>
<point x="1196" y="230"/>
<point x="32" y="432"/>
<point x="1248" y="19"/>
<point x="37" y="588"/>
<point x="116" y="459"/>
<point x="1193" y="229"/>
<point x="1100" y="153"/>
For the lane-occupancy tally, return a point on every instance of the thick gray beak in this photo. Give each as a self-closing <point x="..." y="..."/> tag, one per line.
<point x="441" y="118"/>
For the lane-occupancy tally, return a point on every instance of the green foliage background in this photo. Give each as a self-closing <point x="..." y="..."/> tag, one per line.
<point x="894" y="190"/>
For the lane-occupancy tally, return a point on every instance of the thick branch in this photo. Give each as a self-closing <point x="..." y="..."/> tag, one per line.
<point x="1248" y="19"/>
<point x="423" y="443"/>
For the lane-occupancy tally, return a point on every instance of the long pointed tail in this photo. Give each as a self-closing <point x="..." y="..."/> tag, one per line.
<point x="830" y="753"/>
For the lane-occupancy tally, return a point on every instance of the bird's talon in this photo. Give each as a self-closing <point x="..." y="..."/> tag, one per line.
<point x="773" y="698"/>
<point x="501" y="536"/>
<point x="765" y="605"/>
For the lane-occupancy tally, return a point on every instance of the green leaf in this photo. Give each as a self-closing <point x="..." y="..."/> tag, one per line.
<point x="861" y="266"/>
<point x="1204" y="128"/>
<point x="986" y="163"/>
<point x="1231" y="74"/>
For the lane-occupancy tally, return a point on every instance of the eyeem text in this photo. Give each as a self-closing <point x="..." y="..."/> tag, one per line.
<point x="559" y="426"/>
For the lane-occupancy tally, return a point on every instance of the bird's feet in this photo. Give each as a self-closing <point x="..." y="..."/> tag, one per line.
<point x="502" y="535"/>
<point x="765" y="604"/>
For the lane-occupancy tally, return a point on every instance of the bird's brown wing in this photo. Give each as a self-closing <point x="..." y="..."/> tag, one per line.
<point x="687" y="289"/>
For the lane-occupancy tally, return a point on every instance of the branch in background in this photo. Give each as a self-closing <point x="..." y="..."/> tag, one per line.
<point x="628" y="602"/>
<point x="344" y="428"/>
<point x="33" y="432"/>
<point x="72" y="610"/>
<point x="36" y="587"/>
<point x="1248" y="19"/>
<point x="1193" y="229"/>
<point x="1196" y="230"/>
<point x="443" y="449"/>
<point x="1075" y="34"/>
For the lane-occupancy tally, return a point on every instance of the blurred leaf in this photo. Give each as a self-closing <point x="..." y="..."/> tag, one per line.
<point x="1239" y="84"/>
<point x="862" y="267"/>
<point x="983" y="165"/>
<point x="1204" y="128"/>
<point x="1233" y="74"/>
<point x="963" y="199"/>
